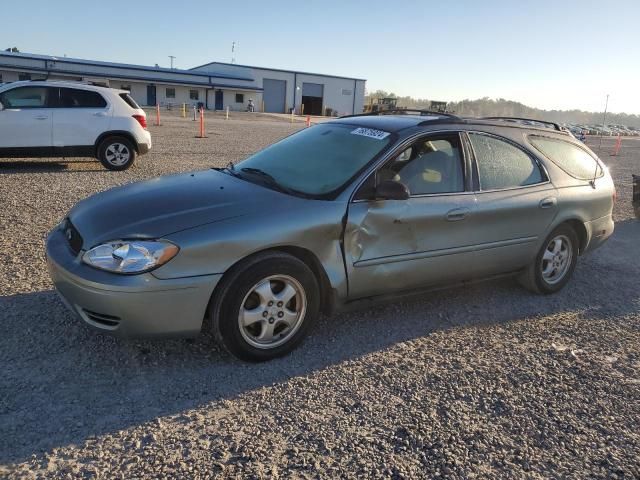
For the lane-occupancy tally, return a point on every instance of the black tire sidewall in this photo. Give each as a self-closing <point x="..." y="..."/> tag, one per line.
<point x="111" y="140"/>
<point x="226" y="324"/>
<point x="541" y="283"/>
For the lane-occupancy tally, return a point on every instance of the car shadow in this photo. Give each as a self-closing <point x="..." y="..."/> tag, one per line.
<point x="49" y="166"/>
<point x="63" y="383"/>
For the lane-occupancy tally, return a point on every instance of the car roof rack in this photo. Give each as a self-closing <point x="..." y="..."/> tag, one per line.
<point x="524" y="121"/>
<point x="404" y="111"/>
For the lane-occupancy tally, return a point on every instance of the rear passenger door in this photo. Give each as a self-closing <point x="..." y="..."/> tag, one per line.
<point x="515" y="204"/>
<point x="80" y="117"/>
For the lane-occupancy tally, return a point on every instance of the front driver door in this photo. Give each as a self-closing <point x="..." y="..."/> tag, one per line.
<point x="26" y="120"/>
<point x="395" y="245"/>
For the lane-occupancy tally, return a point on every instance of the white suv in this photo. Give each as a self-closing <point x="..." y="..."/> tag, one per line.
<point x="71" y="119"/>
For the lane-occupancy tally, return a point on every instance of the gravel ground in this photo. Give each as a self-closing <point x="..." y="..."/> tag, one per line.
<point x="486" y="381"/>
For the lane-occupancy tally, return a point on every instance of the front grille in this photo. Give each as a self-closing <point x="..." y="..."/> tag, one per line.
<point x="102" y="318"/>
<point x="73" y="237"/>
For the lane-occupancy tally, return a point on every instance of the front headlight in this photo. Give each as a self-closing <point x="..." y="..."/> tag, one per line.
<point x="130" y="256"/>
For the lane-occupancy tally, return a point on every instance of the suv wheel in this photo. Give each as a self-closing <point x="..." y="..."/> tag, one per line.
<point x="266" y="307"/>
<point x="116" y="153"/>
<point x="555" y="262"/>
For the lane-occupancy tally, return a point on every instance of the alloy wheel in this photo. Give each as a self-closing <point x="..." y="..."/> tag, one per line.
<point x="556" y="259"/>
<point x="272" y="311"/>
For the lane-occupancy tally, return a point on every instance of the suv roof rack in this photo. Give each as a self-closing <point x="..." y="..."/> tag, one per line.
<point x="525" y="121"/>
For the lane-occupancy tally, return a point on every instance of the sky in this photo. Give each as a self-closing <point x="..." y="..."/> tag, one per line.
<point x="560" y="54"/>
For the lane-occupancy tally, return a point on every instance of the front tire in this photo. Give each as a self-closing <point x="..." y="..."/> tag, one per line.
<point x="554" y="264"/>
<point x="265" y="307"/>
<point x="116" y="153"/>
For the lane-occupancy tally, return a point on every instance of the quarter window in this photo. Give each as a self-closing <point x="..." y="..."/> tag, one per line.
<point x="193" y="95"/>
<point x="74" y="98"/>
<point x="25" y="97"/>
<point x="572" y="159"/>
<point x="429" y="166"/>
<point x="171" y="93"/>
<point x="502" y="165"/>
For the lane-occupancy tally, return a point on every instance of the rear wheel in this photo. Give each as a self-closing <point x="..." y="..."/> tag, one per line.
<point x="116" y="153"/>
<point x="265" y="307"/>
<point x="555" y="262"/>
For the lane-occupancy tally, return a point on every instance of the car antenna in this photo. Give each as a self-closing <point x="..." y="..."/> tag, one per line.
<point x="595" y="175"/>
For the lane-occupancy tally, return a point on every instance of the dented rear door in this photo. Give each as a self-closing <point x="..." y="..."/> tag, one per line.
<point x="395" y="245"/>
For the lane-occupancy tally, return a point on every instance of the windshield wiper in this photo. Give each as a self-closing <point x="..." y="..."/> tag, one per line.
<point x="230" y="169"/>
<point x="268" y="178"/>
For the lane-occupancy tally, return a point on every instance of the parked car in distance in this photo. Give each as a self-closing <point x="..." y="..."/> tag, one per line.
<point x="359" y="208"/>
<point x="71" y="119"/>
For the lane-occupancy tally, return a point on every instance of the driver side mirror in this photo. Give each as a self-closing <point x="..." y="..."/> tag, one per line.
<point x="392" y="190"/>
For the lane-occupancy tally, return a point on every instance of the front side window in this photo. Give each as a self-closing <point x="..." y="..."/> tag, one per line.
<point x="76" y="98"/>
<point x="319" y="160"/>
<point x="25" y="97"/>
<point x="171" y="93"/>
<point x="239" y="98"/>
<point x="193" y="94"/>
<point x="503" y="165"/>
<point x="429" y="166"/>
<point x="574" y="160"/>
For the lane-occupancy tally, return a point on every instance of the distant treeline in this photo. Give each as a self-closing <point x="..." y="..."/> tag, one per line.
<point x="489" y="107"/>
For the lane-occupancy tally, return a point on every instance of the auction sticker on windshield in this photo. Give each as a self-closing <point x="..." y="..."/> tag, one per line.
<point x="371" y="133"/>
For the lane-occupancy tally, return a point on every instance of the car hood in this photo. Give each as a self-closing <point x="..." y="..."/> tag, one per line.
<point x="156" y="208"/>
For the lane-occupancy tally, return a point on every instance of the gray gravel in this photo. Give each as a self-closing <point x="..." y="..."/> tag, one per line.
<point x="486" y="381"/>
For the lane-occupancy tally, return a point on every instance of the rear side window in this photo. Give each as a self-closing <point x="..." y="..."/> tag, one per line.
<point x="503" y="165"/>
<point x="25" y="97"/>
<point x="574" y="160"/>
<point x="129" y="100"/>
<point x="75" y="98"/>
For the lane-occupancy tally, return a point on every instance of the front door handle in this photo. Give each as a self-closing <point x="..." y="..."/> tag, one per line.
<point x="548" y="202"/>
<point x="42" y="117"/>
<point x="457" y="214"/>
<point x="99" y="114"/>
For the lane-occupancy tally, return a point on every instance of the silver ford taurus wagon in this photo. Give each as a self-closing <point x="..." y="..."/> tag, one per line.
<point x="359" y="208"/>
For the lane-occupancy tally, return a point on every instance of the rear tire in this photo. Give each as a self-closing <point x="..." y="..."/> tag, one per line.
<point x="554" y="264"/>
<point x="265" y="307"/>
<point x="116" y="153"/>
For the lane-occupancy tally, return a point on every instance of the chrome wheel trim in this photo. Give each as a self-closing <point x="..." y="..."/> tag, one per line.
<point x="556" y="259"/>
<point x="117" y="154"/>
<point x="272" y="311"/>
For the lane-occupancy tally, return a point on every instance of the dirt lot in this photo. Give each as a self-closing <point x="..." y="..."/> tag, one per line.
<point x="485" y="381"/>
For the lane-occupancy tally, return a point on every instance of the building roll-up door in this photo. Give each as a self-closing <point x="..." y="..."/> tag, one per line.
<point x="274" y="95"/>
<point x="312" y="94"/>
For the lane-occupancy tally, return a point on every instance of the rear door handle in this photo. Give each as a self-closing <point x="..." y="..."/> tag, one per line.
<point x="42" y="117"/>
<point x="457" y="214"/>
<point x="548" y="202"/>
<point x="99" y="114"/>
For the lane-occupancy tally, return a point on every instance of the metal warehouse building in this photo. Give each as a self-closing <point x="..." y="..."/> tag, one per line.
<point x="215" y="85"/>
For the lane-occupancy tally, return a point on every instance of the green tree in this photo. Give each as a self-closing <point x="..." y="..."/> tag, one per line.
<point x="12" y="49"/>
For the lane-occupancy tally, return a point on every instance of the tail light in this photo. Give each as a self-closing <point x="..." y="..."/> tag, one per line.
<point x="142" y="120"/>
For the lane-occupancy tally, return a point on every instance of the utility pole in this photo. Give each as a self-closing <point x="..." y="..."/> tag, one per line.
<point x="171" y="57"/>
<point x="233" y="49"/>
<point x="604" y="120"/>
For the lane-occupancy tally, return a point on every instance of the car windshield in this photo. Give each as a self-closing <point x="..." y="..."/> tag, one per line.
<point x="318" y="160"/>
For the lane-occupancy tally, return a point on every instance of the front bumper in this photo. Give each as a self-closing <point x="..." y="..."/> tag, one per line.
<point x="128" y="305"/>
